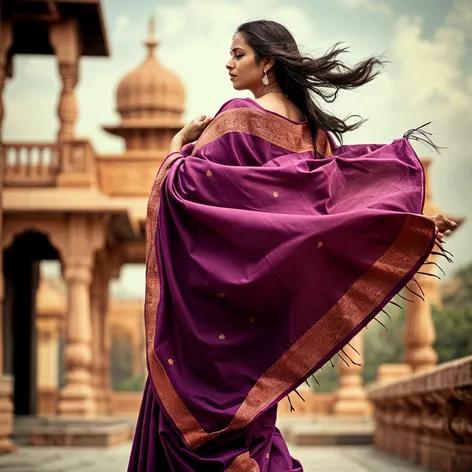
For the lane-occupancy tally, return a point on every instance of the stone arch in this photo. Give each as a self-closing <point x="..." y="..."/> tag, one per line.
<point x="54" y="231"/>
<point x="76" y="238"/>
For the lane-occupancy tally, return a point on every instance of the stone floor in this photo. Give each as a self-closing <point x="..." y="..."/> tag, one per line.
<point x="314" y="459"/>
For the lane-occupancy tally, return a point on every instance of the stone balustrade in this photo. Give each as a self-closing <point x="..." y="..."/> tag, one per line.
<point x="30" y="164"/>
<point x="69" y="163"/>
<point x="426" y="418"/>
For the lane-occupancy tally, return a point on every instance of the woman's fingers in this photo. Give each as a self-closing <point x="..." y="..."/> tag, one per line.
<point x="443" y="224"/>
<point x="207" y="121"/>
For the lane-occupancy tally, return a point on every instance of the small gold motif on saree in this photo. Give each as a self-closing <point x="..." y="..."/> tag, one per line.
<point x="252" y="319"/>
<point x="276" y="194"/>
<point x="209" y="173"/>
<point x="221" y="295"/>
<point x="222" y="337"/>
<point x="267" y="455"/>
<point x="320" y="244"/>
<point x="171" y="361"/>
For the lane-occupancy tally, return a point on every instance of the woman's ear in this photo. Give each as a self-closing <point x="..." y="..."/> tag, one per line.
<point x="269" y="63"/>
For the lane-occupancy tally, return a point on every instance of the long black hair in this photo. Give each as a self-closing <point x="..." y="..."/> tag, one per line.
<point x="298" y="74"/>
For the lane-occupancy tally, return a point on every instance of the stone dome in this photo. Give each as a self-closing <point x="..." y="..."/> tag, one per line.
<point x="151" y="91"/>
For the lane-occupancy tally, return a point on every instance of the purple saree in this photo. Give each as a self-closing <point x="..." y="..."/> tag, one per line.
<point x="266" y="254"/>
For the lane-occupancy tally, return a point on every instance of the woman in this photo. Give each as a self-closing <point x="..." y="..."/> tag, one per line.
<point x="268" y="249"/>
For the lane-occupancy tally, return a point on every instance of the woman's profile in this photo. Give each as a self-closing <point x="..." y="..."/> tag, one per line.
<point x="269" y="247"/>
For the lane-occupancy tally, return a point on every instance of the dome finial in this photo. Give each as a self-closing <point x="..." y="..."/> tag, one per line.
<point x="151" y="41"/>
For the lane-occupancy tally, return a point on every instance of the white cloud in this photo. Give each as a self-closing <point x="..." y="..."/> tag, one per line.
<point x="121" y="29"/>
<point x="197" y="47"/>
<point x="432" y="86"/>
<point x="431" y="69"/>
<point x="372" y="6"/>
<point x="426" y="81"/>
<point x="468" y="84"/>
<point x="461" y="17"/>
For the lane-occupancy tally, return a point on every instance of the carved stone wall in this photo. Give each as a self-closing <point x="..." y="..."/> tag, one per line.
<point x="427" y="418"/>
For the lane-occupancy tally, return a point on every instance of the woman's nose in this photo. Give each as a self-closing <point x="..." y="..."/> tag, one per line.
<point x="229" y="65"/>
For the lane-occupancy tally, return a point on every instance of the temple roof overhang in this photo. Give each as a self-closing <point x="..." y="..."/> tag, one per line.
<point x="126" y="215"/>
<point x="31" y="20"/>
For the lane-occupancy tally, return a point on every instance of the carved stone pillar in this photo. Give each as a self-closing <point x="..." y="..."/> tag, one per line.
<point x="390" y="372"/>
<point x="6" y="40"/>
<point x="76" y="398"/>
<point x="47" y="364"/>
<point x="107" y="266"/>
<point x="351" y="398"/>
<point x="419" y="333"/>
<point x="112" y="264"/>
<point x="95" y="290"/>
<point x="99" y="300"/>
<point x="105" y="378"/>
<point x="67" y="108"/>
<point x="64" y="39"/>
<point x="6" y="407"/>
<point x="85" y="236"/>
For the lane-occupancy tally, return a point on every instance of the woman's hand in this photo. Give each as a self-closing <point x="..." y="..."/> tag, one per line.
<point x="443" y="224"/>
<point x="192" y="131"/>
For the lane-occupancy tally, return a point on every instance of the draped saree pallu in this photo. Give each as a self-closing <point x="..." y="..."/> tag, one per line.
<point x="266" y="254"/>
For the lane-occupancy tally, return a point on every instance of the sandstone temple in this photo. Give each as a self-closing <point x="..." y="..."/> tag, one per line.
<point x="63" y="201"/>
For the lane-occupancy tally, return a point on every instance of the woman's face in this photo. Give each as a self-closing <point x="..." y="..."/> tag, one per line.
<point x="244" y="72"/>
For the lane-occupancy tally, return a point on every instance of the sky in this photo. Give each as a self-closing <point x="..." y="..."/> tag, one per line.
<point x="428" y="44"/>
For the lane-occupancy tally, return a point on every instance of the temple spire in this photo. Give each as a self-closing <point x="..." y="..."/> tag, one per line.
<point x="151" y="41"/>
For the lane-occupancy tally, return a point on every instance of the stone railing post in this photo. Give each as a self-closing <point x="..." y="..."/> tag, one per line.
<point x="351" y="398"/>
<point x="419" y="335"/>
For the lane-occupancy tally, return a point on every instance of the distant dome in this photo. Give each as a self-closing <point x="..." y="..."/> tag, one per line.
<point x="151" y="90"/>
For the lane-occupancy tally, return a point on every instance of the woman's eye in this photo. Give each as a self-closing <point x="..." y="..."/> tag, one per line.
<point x="239" y="56"/>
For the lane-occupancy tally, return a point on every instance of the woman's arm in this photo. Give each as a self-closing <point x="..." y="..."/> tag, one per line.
<point x="191" y="132"/>
<point x="177" y="143"/>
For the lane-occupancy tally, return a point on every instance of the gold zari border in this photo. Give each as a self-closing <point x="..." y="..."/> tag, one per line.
<point x="312" y="348"/>
<point x="172" y="403"/>
<point x="272" y="128"/>
<point x="243" y="463"/>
